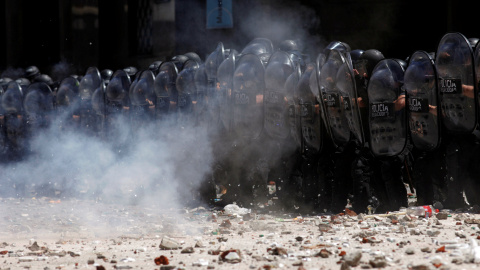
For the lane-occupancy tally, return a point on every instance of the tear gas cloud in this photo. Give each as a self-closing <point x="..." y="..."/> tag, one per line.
<point x="148" y="166"/>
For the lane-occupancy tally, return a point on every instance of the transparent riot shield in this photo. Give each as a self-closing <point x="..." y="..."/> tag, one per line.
<point x="309" y="109"/>
<point x="293" y="119"/>
<point x="14" y="119"/>
<point x="213" y="61"/>
<point x="99" y="109"/>
<point x="200" y="98"/>
<point x="142" y="100"/>
<point x="68" y="103"/>
<point x="388" y="126"/>
<point x="476" y="58"/>
<point x="186" y="94"/>
<point x="423" y="100"/>
<point x="88" y="84"/>
<point x="456" y="83"/>
<point x="165" y="91"/>
<point x="277" y="71"/>
<point x="248" y="93"/>
<point x="116" y="97"/>
<point x="38" y="105"/>
<point x="225" y="89"/>
<point x="3" y="132"/>
<point x="334" y="108"/>
<point x="348" y="97"/>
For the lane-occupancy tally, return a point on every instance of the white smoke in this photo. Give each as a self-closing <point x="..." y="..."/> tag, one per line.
<point x="150" y="166"/>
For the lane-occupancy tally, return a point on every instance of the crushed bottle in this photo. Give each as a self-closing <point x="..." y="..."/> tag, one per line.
<point x="421" y="211"/>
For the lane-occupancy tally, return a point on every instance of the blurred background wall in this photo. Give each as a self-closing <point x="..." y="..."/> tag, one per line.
<point x="62" y="36"/>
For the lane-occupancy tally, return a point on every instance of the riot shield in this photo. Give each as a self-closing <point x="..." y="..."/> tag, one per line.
<point x="388" y="126"/>
<point x="315" y="86"/>
<point x="225" y="88"/>
<point x="336" y="46"/>
<point x="142" y="99"/>
<point x="348" y="96"/>
<point x="309" y="109"/>
<point x="454" y="63"/>
<point x="98" y="106"/>
<point x="212" y="63"/>
<point x="165" y="90"/>
<point x="248" y="91"/>
<point x="12" y="105"/>
<point x="116" y="94"/>
<point x="200" y="96"/>
<point x="68" y="103"/>
<point x="38" y="105"/>
<point x="294" y="123"/>
<point x="3" y="132"/>
<point x="423" y="111"/>
<point x="186" y="94"/>
<point x="476" y="58"/>
<point x="334" y="111"/>
<point x="278" y="69"/>
<point x="88" y="84"/>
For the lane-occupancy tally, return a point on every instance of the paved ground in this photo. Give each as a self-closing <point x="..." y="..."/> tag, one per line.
<point x="43" y="233"/>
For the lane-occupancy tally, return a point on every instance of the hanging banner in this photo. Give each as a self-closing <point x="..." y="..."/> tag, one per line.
<point x="219" y="14"/>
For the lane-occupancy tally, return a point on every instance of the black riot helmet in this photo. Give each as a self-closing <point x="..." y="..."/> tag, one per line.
<point x="45" y="79"/>
<point x="23" y="82"/>
<point x="355" y="54"/>
<point x="179" y="61"/>
<point x="106" y="75"/>
<point x="194" y="56"/>
<point x="132" y="72"/>
<point x="154" y="67"/>
<point x="368" y="61"/>
<point x="4" y="82"/>
<point x="289" y="45"/>
<point x="31" y="72"/>
<point x="258" y="46"/>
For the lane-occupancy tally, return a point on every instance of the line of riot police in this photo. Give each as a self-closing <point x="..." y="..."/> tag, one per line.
<point x="349" y="126"/>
